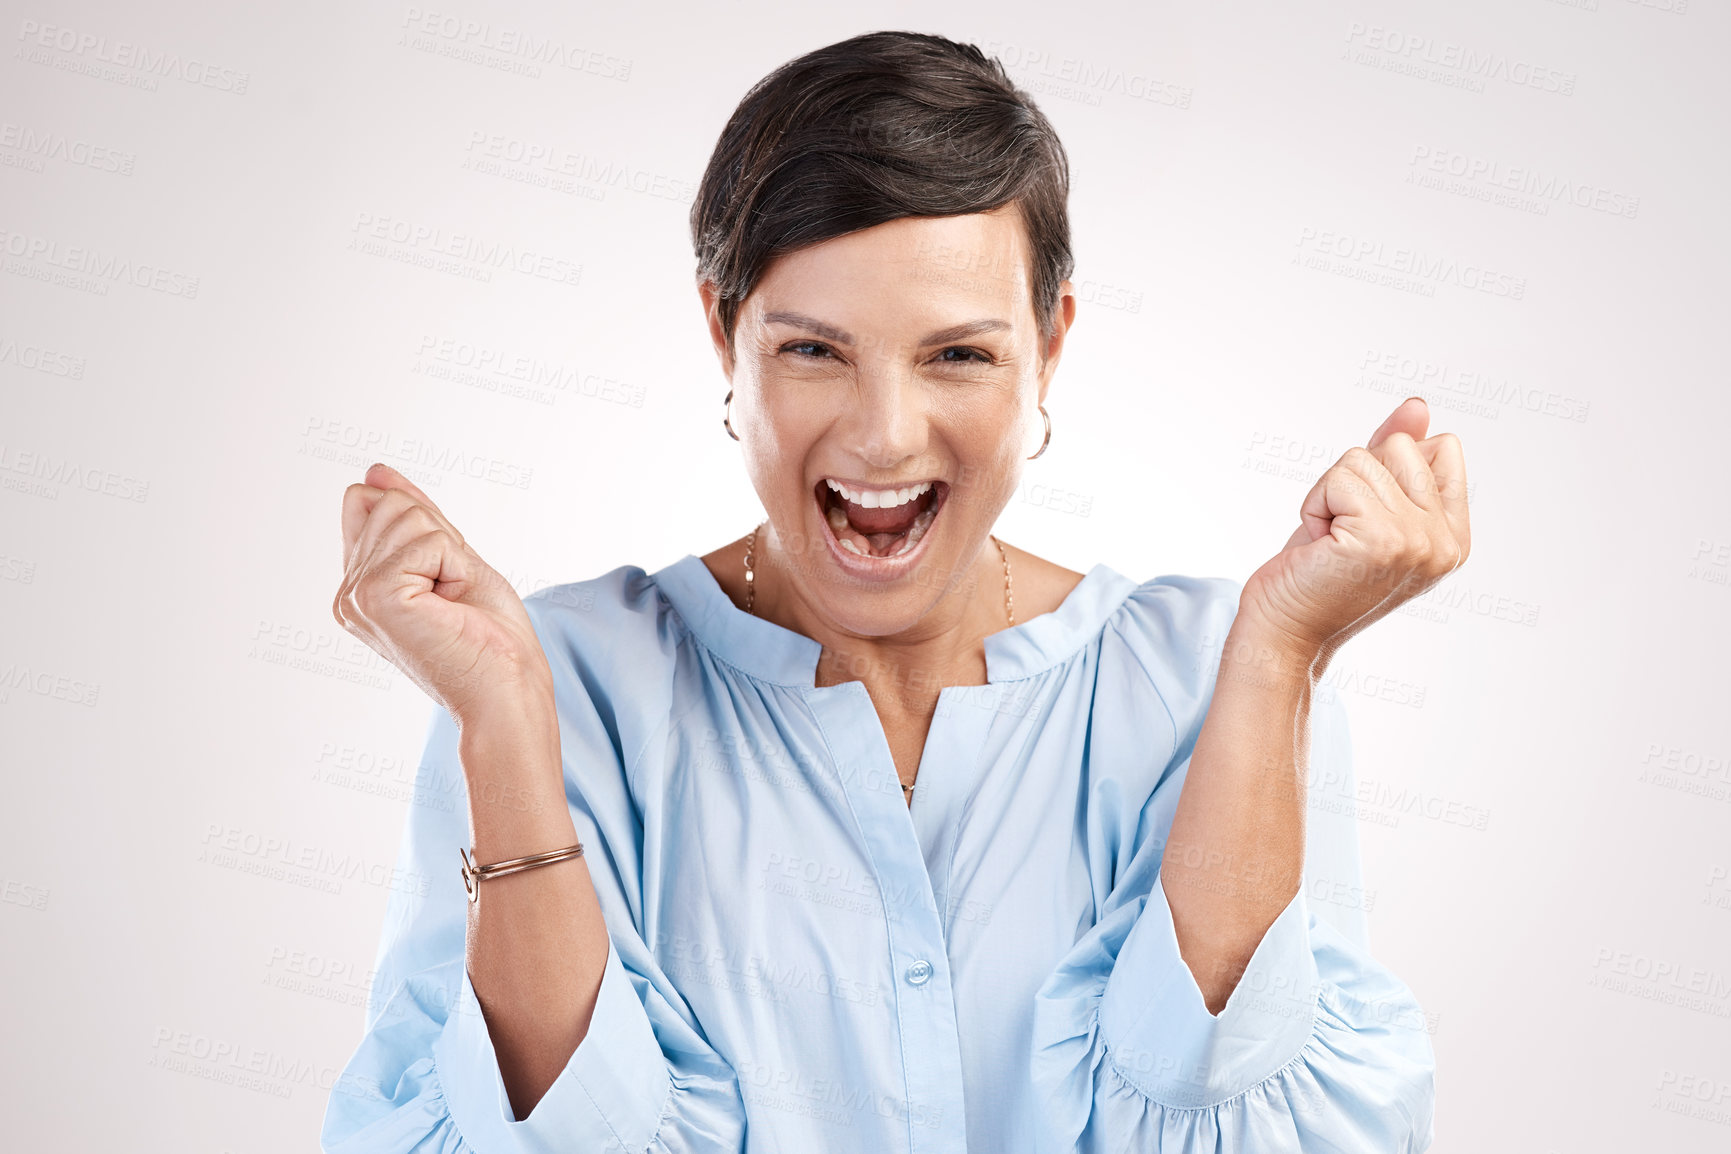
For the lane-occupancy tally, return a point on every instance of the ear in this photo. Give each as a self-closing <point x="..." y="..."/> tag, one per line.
<point x="1063" y="317"/>
<point x="711" y="298"/>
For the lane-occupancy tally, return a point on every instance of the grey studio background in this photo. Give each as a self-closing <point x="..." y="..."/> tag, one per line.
<point x="248" y="251"/>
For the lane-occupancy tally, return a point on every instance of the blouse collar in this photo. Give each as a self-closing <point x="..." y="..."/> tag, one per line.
<point x="774" y="653"/>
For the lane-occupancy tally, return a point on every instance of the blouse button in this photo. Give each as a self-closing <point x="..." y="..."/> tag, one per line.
<point x="919" y="973"/>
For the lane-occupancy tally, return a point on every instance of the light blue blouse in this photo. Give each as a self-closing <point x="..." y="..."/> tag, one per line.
<point x="801" y="962"/>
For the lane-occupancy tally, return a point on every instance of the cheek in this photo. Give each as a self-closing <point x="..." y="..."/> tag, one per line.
<point x="986" y="444"/>
<point x="773" y="472"/>
<point x="776" y="447"/>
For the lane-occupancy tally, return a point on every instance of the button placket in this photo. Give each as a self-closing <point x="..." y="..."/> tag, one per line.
<point x="924" y="1010"/>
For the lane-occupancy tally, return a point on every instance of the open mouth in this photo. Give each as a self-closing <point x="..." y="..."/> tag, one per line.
<point x="880" y="522"/>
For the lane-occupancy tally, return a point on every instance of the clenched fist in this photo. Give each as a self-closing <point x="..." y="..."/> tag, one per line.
<point x="1383" y="524"/>
<point x="418" y="594"/>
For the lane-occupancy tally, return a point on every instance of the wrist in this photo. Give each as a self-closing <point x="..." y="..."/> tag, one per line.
<point x="513" y="741"/>
<point x="1259" y="653"/>
<point x="507" y="704"/>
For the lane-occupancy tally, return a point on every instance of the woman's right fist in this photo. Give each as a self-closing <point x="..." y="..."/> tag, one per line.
<point x="415" y="592"/>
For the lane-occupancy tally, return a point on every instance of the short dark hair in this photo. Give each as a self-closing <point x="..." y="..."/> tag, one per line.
<point x="870" y="129"/>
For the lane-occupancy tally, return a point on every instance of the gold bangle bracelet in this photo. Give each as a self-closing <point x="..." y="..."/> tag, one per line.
<point x="473" y="874"/>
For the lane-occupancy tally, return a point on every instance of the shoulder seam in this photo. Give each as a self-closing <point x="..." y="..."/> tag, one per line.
<point x="1171" y="721"/>
<point x="1114" y="621"/>
<point x="628" y="764"/>
<point x="673" y="612"/>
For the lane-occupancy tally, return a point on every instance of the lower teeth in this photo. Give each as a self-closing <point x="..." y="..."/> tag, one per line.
<point x="909" y="539"/>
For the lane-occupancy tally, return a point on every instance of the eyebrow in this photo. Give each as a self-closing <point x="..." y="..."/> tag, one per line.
<point x="942" y="336"/>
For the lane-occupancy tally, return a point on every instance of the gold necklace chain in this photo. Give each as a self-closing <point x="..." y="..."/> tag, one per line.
<point x="751" y="587"/>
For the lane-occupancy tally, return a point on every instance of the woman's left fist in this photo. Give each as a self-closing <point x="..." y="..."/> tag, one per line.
<point x="1382" y="525"/>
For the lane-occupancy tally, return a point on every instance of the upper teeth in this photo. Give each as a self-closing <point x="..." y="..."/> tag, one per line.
<point x="879" y="498"/>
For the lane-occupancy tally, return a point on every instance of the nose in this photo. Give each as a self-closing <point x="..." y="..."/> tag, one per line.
<point x="887" y="422"/>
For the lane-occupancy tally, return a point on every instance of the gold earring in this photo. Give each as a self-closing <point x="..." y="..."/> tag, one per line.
<point x="1048" y="437"/>
<point x="725" y="422"/>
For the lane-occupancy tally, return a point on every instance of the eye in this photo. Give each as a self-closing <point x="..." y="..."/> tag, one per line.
<point x="797" y="347"/>
<point x="969" y="356"/>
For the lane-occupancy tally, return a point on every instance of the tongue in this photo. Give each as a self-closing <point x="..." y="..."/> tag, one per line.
<point x="894" y="521"/>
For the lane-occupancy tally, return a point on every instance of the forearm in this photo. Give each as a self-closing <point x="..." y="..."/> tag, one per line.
<point x="1235" y="853"/>
<point x="537" y="943"/>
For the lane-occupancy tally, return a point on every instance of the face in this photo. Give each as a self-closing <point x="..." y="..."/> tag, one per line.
<point x="885" y="392"/>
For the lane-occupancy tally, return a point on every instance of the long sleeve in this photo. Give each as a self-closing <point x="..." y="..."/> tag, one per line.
<point x="1319" y="1048"/>
<point x="425" y="1077"/>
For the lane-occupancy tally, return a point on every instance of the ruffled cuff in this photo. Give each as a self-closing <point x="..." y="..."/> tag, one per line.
<point x="1159" y="1035"/>
<point x="610" y="1096"/>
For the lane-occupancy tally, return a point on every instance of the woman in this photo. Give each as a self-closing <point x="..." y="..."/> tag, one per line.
<point x="893" y="836"/>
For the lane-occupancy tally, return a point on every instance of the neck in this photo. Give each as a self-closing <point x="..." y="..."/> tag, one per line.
<point x="943" y="646"/>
